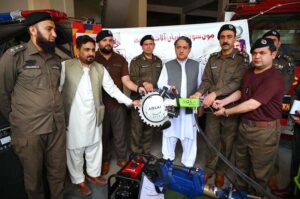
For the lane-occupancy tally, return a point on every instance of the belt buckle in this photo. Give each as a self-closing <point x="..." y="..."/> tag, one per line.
<point x="251" y="123"/>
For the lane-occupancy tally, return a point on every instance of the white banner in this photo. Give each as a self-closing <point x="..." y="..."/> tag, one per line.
<point x="203" y="36"/>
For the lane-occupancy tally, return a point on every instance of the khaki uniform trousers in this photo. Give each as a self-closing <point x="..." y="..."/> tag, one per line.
<point x="42" y="151"/>
<point x="141" y="134"/>
<point x="256" y="152"/>
<point x="221" y="131"/>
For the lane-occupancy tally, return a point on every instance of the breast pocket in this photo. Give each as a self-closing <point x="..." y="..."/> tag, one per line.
<point x="228" y="73"/>
<point x="215" y="73"/>
<point x="145" y="70"/>
<point x="32" y="73"/>
<point x="31" y="76"/>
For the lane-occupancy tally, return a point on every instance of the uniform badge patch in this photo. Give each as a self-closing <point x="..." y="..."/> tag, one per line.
<point x="263" y="41"/>
<point x="31" y="67"/>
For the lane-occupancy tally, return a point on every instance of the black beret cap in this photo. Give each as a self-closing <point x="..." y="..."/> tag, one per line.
<point x="104" y="33"/>
<point x="272" y="33"/>
<point x="36" y="17"/>
<point x="146" y="37"/>
<point x="263" y="42"/>
<point x="226" y="27"/>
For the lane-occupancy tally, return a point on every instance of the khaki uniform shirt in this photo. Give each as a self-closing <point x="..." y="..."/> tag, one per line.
<point x="285" y="64"/>
<point x="29" y="95"/>
<point x="144" y="70"/>
<point x="223" y="75"/>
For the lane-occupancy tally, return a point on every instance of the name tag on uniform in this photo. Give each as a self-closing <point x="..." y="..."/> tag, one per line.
<point x="145" y="66"/>
<point x="158" y="66"/>
<point x="117" y="65"/>
<point x="56" y="67"/>
<point x="214" y="66"/>
<point x="31" y="67"/>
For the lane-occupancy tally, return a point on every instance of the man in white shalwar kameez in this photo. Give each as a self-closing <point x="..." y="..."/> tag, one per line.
<point x="81" y="81"/>
<point x="186" y="83"/>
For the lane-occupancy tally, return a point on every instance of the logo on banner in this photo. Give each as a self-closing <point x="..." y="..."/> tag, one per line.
<point x="239" y="31"/>
<point x="117" y="39"/>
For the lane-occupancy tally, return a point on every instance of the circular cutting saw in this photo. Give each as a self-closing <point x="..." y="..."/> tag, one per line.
<point x="159" y="106"/>
<point x="152" y="111"/>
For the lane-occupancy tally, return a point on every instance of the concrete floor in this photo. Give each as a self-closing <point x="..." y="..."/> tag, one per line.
<point x="101" y="191"/>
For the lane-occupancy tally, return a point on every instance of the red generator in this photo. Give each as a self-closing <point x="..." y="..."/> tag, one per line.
<point x="126" y="182"/>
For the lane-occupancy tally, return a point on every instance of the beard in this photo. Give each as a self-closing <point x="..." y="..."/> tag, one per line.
<point x="89" y="60"/>
<point x="106" y="51"/>
<point x="44" y="44"/>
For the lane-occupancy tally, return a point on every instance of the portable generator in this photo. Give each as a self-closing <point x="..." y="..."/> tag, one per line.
<point x="126" y="182"/>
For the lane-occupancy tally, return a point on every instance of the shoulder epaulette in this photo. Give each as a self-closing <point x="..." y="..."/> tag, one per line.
<point x="136" y="57"/>
<point x="16" y="49"/>
<point x="287" y="58"/>
<point x="58" y="56"/>
<point x="244" y="55"/>
<point x="214" y="54"/>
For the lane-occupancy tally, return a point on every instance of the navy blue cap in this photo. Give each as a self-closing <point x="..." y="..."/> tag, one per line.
<point x="272" y="33"/>
<point x="263" y="42"/>
<point x="226" y="27"/>
<point x="36" y="17"/>
<point x="146" y="37"/>
<point x="104" y="33"/>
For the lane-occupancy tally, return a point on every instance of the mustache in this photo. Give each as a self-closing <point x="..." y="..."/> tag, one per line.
<point x="225" y="44"/>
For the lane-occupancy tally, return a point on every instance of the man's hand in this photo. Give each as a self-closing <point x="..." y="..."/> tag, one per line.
<point x="217" y="104"/>
<point x="196" y="95"/>
<point x="296" y="118"/>
<point x="174" y="90"/>
<point x="136" y="103"/>
<point x="148" y="86"/>
<point x="141" y="90"/>
<point x="220" y="112"/>
<point x="209" y="99"/>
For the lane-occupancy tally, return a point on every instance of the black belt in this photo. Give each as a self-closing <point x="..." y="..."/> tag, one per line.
<point x="261" y="124"/>
<point x="5" y="139"/>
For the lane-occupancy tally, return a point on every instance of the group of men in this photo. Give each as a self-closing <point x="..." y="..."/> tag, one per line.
<point x="63" y="114"/>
